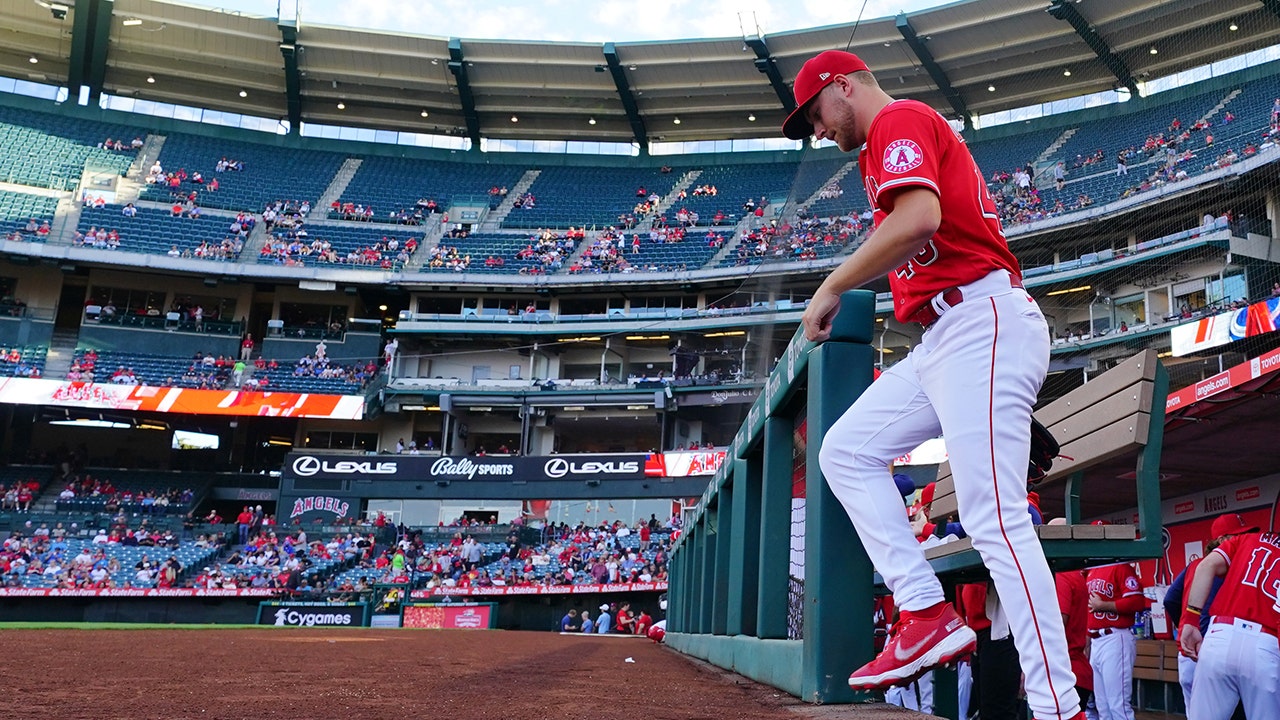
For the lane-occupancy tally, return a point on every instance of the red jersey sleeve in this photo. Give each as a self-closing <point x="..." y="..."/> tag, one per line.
<point x="903" y="151"/>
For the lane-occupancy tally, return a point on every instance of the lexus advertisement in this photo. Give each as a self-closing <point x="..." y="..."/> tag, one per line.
<point x="311" y="467"/>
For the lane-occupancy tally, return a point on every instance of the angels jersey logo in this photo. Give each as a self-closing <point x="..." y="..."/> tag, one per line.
<point x="902" y="156"/>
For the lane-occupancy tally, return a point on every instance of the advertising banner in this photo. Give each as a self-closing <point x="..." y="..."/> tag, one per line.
<point x="137" y="592"/>
<point x="313" y="614"/>
<point x="464" y="469"/>
<point x="1209" y="332"/>
<point x="1235" y="377"/>
<point x="589" y="589"/>
<point x="441" y="616"/>
<point x="105" y="396"/>
<point x="684" y="463"/>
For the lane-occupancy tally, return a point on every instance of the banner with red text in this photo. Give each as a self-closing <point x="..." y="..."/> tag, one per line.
<point x="1240" y="374"/>
<point x="684" y="463"/>
<point x="105" y="396"/>
<point x="447" y="616"/>
<point x="501" y="590"/>
<point x="137" y="592"/>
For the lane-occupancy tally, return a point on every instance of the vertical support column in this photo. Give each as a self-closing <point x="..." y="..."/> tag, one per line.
<point x="839" y="599"/>
<point x="724" y="546"/>
<point x="676" y="588"/>
<point x="707" y="574"/>
<point x="1150" y="520"/>
<point x="744" y="556"/>
<point x="775" y="529"/>
<point x="693" y="613"/>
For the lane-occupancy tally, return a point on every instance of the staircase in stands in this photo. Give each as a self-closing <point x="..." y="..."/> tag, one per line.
<point x="493" y="221"/>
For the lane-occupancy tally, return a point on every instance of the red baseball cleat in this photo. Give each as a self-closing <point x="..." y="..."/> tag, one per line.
<point x="917" y="645"/>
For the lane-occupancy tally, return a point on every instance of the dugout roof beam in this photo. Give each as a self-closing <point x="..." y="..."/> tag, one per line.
<point x="1066" y="10"/>
<point x="292" y="76"/>
<point x="624" y="94"/>
<point x="917" y="45"/>
<point x="458" y="67"/>
<point x="765" y="63"/>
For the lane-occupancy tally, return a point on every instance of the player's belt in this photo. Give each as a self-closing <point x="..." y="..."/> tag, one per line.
<point x="1095" y="634"/>
<point x="1238" y="622"/>
<point x="929" y="313"/>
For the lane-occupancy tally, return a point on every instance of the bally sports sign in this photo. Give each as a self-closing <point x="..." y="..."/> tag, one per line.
<point x="303" y="467"/>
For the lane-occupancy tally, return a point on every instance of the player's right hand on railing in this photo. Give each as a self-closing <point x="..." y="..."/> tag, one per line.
<point x="819" y="314"/>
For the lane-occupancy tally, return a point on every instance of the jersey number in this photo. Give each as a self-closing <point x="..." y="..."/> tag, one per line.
<point x="1263" y="573"/>
<point x="927" y="256"/>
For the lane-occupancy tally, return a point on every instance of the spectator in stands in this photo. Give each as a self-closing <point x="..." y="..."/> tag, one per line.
<point x="246" y="347"/>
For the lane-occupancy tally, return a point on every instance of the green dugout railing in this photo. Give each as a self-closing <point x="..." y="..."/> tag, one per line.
<point x="733" y="598"/>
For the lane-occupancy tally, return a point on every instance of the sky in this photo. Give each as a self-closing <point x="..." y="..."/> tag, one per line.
<point x="578" y="20"/>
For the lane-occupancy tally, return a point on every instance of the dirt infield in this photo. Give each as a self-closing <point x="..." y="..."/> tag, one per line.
<point x="356" y="674"/>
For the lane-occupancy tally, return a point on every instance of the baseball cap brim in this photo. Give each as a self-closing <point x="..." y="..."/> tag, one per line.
<point x="797" y="125"/>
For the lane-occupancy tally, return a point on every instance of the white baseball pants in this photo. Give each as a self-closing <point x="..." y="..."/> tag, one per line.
<point x="1237" y="663"/>
<point x="973" y="379"/>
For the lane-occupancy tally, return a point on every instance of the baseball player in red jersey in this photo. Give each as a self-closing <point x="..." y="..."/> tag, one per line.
<point x="1238" y="660"/>
<point x="973" y="378"/>
<point x="1115" y="596"/>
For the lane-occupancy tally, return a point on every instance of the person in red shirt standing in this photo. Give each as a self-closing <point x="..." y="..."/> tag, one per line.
<point x="1238" y="660"/>
<point x="1073" y="600"/>
<point x="1115" y="596"/>
<point x="973" y="378"/>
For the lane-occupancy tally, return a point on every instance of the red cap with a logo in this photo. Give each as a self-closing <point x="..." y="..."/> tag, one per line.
<point x="816" y="74"/>
<point x="1230" y="524"/>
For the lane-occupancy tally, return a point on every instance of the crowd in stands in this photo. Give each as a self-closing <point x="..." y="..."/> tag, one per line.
<point x="19" y="495"/>
<point x="294" y="245"/>
<point x="12" y="364"/>
<point x="319" y="365"/>
<point x="186" y="187"/>
<point x="1168" y="156"/>
<point x="37" y="230"/>
<point x="59" y="557"/>
<point x="448" y="257"/>
<point x="361" y="212"/>
<point x="119" y="145"/>
<point x="551" y="249"/>
<point x="799" y="241"/>
<point x="525" y="201"/>
<point x="583" y="554"/>
<point x="113" y="499"/>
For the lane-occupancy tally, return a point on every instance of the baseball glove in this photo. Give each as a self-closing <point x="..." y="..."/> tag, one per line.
<point x="1044" y="450"/>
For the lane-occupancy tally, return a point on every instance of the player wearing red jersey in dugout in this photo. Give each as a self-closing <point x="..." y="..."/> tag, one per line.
<point x="973" y="378"/>
<point x="1238" y="660"/>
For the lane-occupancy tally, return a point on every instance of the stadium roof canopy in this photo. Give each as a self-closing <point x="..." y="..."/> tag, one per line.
<point x="946" y="56"/>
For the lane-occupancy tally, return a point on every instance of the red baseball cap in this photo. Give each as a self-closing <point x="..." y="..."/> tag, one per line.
<point x="1230" y="524"/>
<point x="816" y="74"/>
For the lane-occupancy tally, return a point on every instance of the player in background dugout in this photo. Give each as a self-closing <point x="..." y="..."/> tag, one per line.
<point x="973" y="378"/>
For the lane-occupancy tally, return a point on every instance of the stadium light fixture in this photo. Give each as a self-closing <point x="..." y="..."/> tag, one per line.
<point x="383" y="308"/>
<point x="1154" y="51"/>
<point x="1233" y="27"/>
<point x="1064" y="291"/>
<point x="751" y="117"/>
<point x="342" y="106"/>
<point x="591" y="121"/>
<point x="991" y="88"/>
<point x="424" y="113"/>
<point x="151" y="79"/>
<point x="132" y="22"/>
<point x="33" y="59"/>
<point x="676" y="121"/>
<point x="515" y="118"/>
<point x="1066" y="73"/>
<point x="244" y="93"/>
